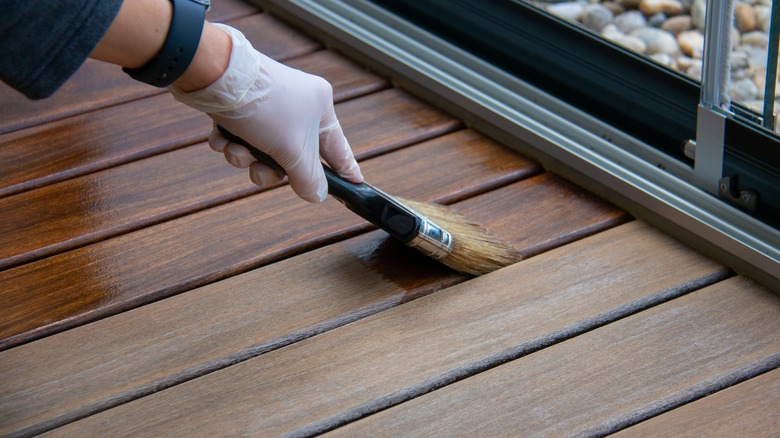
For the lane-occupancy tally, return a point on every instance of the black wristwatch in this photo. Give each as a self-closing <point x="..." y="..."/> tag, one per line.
<point x="180" y="45"/>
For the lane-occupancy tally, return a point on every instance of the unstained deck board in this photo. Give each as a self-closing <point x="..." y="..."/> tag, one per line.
<point x="747" y="409"/>
<point x="605" y="379"/>
<point x="379" y="359"/>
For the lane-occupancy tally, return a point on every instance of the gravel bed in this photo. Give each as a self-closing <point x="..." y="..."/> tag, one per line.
<point x="671" y="33"/>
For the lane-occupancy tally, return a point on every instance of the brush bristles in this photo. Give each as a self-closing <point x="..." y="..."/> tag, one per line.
<point x="475" y="250"/>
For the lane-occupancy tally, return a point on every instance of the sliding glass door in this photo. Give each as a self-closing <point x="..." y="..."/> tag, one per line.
<point x="638" y="66"/>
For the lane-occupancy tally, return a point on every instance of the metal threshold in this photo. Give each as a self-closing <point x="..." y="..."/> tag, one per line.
<point x="566" y="141"/>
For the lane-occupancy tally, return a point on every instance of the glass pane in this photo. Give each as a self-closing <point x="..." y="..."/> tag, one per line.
<point x="671" y="33"/>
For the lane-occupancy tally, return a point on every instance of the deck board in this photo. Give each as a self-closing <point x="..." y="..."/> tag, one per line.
<point x="598" y="381"/>
<point x="164" y="259"/>
<point x="86" y="209"/>
<point x="354" y="278"/>
<point x="404" y="348"/>
<point x="746" y="409"/>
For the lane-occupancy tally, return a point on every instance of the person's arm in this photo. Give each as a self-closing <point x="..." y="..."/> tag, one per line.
<point x="284" y="112"/>
<point x="138" y="32"/>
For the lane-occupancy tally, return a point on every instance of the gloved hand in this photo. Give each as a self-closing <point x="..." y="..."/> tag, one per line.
<point x="284" y="112"/>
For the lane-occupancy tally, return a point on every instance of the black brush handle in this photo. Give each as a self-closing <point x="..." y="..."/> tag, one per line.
<point x="365" y="200"/>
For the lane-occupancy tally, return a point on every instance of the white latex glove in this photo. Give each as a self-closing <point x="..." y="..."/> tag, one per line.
<point x="284" y="112"/>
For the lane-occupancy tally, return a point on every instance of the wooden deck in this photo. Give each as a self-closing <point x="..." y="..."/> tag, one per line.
<point x="148" y="289"/>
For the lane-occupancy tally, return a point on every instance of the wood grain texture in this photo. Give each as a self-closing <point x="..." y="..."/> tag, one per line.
<point x="234" y="319"/>
<point x="226" y="10"/>
<point x="99" y="85"/>
<point x="95" y="85"/>
<point x="86" y="209"/>
<point x="78" y="145"/>
<point x="273" y="37"/>
<point x="541" y="221"/>
<point x="349" y="80"/>
<point x="597" y="381"/>
<point x="747" y="409"/>
<point x="410" y="344"/>
<point x="90" y="142"/>
<point x="106" y="277"/>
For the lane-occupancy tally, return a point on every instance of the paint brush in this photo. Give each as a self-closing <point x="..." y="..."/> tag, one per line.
<point x="434" y="230"/>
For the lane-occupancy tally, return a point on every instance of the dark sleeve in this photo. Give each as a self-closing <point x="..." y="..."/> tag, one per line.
<point x="43" y="42"/>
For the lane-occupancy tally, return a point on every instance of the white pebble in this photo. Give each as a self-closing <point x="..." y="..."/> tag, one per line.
<point x="755" y="39"/>
<point x="698" y="13"/>
<point x="610" y="30"/>
<point x="568" y="11"/>
<point x="629" y="21"/>
<point x="663" y="59"/>
<point x="631" y="43"/>
<point x="757" y="55"/>
<point x="685" y="63"/>
<point x="739" y="60"/>
<point x="694" y="71"/>
<point x="595" y="16"/>
<point x="743" y="89"/>
<point x="657" y="40"/>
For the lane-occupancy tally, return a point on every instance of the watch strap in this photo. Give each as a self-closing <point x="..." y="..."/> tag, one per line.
<point x="179" y="47"/>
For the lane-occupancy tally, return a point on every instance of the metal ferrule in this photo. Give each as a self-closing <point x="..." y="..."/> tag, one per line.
<point x="432" y="240"/>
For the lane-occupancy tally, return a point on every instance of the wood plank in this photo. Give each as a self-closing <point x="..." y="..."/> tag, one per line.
<point x="78" y="145"/>
<point x="541" y="223"/>
<point x="226" y="10"/>
<point x="110" y="276"/>
<point x="594" y="383"/>
<point x="606" y="275"/>
<point x="746" y="409"/>
<point x="273" y="37"/>
<point x="95" y="85"/>
<point x="85" y="143"/>
<point x="99" y="85"/>
<point x="72" y="213"/>
<point x="355" y="278"/>
<point x="349" y="80"/>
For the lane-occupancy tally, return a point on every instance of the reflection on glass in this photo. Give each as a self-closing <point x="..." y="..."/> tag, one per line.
<point x="671" y="32"/>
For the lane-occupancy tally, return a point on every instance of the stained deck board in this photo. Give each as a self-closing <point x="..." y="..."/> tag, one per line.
<point x="355" y="277"/>
<point x="747" y="409"/>
<point x="599" y="381"/>
<point x="148" y="264"/>
<point x="86" y="209"/>
<point x="404" y="348"/>
<point x="86" y="143"/>
<point x="98" y="85"/>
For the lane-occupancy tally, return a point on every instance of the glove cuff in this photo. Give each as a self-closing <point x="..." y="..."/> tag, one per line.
<point x="229" y="92"/>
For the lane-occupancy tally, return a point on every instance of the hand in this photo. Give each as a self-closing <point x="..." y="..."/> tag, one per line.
<point x="284" y="112"/>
